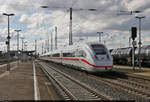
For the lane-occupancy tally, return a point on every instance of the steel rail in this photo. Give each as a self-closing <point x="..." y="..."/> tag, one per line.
<point x="77" y="82"/>
<point x="121" y="86"/>
<point x="58" y="83"/>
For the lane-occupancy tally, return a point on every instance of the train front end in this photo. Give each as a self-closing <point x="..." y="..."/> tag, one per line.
<point x="102" y="59"/>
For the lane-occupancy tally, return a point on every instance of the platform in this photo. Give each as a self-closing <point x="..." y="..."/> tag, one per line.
<point x="145" y="72"/>
<point x="18" y="84"/>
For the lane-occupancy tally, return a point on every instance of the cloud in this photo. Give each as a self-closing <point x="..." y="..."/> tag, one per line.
<point x="39" y="23"/>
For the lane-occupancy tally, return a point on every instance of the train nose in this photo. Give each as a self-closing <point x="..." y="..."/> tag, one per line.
<point x="102" y="58"/>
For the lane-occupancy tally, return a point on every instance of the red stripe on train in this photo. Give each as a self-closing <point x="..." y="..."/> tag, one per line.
<point x="75" y="59"/>
<point x="92" y="64"/>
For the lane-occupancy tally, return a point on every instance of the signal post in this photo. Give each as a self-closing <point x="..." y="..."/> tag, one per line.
<point x="133" y="35"/>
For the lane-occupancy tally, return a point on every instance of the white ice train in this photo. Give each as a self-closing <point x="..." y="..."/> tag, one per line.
<point x="92" y="57"/>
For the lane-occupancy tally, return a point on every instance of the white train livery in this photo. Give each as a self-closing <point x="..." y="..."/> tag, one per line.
<point x="91" y="57"/>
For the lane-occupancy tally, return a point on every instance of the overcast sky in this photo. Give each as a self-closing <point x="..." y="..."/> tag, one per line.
<point x="38" y="24"/>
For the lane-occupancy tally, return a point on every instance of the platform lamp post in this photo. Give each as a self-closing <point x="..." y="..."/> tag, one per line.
<point x="25" y="45"/>
<point x="140" y="43"/>
<point x="8" y="42"/>
<point x="41" y="46"/>
<point x="35" y="48"/>
<point x="100" y="35"/>
<point x="51" y="41"/>
<point x="55" y="38"/>
<point x="22" y="48"/>
<point x="18" y="43"/>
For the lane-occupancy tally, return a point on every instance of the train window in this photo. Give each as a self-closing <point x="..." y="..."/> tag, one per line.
<point x="99" y="49"/>
<point x="56" y="55"/>
<point x="80" y="53"/>
<point x="69" y="54"/>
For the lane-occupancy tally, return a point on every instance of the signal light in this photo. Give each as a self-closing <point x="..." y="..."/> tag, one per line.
<point x="96" y="57"/>
<point x="134" y="33"/>
<point x="6" y="42"/>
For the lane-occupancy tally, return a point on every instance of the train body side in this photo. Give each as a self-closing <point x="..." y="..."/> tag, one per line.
<point x="122" y="55"/>
<point x="82" y="57"/>
<point x="145" y="55"/>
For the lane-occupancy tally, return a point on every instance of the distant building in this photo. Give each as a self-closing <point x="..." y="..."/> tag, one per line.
<point x="14" y="54"/>
<point x="26" y="55"/>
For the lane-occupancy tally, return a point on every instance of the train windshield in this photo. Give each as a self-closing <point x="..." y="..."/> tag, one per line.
<point x="99" y="49"/>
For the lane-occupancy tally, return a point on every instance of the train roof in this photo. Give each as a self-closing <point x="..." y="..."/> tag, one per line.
<point x="71" y="47"/>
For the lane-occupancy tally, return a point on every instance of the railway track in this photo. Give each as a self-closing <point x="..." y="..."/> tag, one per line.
<point x="5" y="64"/>
<point x="139" y="79"/>
<point x="112" y="87"/>
<point x="136" y="82"/>
<point x="126" y="85"/>
<point x="137" y="85"/>
<point x="74" y="89"/>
